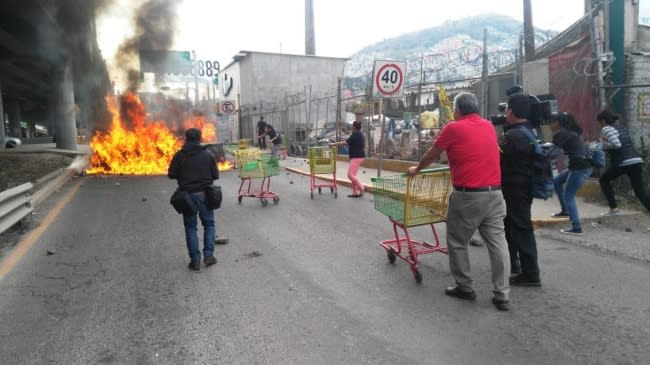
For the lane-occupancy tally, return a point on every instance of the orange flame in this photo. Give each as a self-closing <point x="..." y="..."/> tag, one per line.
<point x="224" y="165"/>
<point x="145" y="149"/>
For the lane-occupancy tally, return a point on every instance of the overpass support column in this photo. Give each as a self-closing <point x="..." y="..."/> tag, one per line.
<point x="64" y="109"/>
<point x="2" y="122"/>
<point x="14" y="120"/>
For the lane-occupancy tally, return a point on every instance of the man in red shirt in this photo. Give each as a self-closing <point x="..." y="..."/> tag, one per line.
<point x="476" y="202"/>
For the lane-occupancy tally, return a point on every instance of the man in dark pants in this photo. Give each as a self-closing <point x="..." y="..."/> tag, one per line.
<point x="195" y="169"/>
<point x="516" y="158"/>
<point x="261" y="136"/>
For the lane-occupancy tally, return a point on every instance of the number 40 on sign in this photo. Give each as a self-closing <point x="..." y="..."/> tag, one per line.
<point x="388" y="79"/>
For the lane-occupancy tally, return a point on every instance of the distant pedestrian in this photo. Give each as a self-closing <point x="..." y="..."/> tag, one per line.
<point x="195" y="169"/>
<point x="516" y="161"/>
<point x="275" y="138"/>
<point x="356" y="146"/>
<point x="476" y="202"/>
<point x="261" y="136"/>
<point x="623" y="160"/>
<point x="567" y="135"/>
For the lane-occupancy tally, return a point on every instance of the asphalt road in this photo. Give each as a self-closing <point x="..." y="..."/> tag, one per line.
<point x="301" y="282"/>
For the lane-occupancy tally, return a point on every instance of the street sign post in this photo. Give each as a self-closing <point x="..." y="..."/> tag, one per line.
<point x="388" y="79"/>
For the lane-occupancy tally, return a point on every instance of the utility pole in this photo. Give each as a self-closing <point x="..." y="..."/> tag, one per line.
<point x="310" y="38"/>
<point x="484" y="76"/>
<point x="338" y="109"/>
<point x="595" y="48"/>
<point x="196" y="79"/>
<point x="529" y="31"/>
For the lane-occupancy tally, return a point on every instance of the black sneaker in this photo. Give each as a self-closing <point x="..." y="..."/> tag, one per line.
<point x="572" y="231"/>
<point x="210" y="260"/>
<point x="220" y="241"/>
<point x="456" y="292"/>
<point x="502" y="305"/>
<point x="194" y="265"/>
<point x="524" y="280"/>
<point x="560" y="215"/>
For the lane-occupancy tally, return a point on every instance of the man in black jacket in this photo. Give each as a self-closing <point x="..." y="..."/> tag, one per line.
<point x="261" y="136"/>
<point x="195" y="169"/>
<point x="516" y="184"/>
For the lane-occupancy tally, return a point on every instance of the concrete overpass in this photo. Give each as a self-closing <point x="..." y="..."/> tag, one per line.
<point x="51" y="69"/>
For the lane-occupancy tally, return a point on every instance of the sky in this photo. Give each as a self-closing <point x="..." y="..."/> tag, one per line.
<point x="217" y="30"/>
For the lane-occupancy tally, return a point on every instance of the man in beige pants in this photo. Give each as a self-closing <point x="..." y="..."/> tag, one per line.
<point x="476" y="202"/>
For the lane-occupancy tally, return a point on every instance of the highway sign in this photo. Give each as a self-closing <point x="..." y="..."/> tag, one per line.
<point x="388" y="79"/>
<point x="228" y="107"/>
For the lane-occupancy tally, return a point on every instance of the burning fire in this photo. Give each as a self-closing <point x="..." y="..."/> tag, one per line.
<point x="224" y="165"/>
<point x="144" y="149"/>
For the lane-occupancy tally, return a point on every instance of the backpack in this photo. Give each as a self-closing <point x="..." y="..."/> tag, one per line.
<point x="541" y="167"/>
<point x="595" y="154"/>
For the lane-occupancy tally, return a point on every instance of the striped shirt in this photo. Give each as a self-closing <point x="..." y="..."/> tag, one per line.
<point x="611" y="141"/>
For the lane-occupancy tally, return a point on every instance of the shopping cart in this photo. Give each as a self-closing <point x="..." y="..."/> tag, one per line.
<point x="255" y="166"/>
<point x="409" y="202"/>
<point x="244" y="143"/>
<point x="322" y="160"/>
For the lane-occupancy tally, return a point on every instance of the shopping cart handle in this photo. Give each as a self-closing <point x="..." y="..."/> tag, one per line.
<point x="429" y="171"/>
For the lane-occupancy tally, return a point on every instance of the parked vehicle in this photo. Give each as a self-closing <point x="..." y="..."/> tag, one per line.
<point x="11" y="142"/>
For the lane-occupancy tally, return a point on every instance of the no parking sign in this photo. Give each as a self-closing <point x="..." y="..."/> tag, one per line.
<point x="388" y="79"/>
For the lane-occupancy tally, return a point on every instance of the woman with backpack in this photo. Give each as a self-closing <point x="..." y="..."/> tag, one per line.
<point x="623" y="159"/>
<point x="567" y="135"/>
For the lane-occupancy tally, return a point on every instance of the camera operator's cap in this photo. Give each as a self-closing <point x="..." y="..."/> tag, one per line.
<point x="519" y="104"/>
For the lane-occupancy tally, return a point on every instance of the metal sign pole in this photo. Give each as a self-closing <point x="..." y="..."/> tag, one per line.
<point x="382" y="141"/>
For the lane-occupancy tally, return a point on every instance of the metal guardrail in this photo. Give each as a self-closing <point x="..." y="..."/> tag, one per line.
<point x="15" y="204"/>
<point x="37" y="140"/>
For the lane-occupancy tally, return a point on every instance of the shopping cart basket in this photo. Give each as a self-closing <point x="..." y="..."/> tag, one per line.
<point x="254" y="165"/>
<point x="412" y="201"/>
<point x="322" y="160"/>
<point x="244" y="143"/>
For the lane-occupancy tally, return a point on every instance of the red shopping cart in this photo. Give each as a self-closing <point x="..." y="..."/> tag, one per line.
<point x="409" y="202"/>
<point x="322" y="160"/>
<point x="255" y="166"/>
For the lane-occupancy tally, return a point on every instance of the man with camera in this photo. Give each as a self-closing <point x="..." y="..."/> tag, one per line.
<point x="516" y="156"/>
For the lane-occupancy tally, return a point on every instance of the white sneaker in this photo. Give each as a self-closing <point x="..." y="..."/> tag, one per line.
<point x="611" y="212"/>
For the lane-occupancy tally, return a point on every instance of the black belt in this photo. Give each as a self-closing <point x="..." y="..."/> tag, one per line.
<point x="473" y="190"/>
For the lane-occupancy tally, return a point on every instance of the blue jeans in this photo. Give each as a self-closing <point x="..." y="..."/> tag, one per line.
<point x="567" y="184"/>
<point x="275" y="150"/>
<point x="209" y="230"/>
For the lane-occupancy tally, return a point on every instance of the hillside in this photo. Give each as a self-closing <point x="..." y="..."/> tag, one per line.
<point x="452" y="51"/>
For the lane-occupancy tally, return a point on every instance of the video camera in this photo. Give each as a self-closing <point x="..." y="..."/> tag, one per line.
<point x="541" y="111"/>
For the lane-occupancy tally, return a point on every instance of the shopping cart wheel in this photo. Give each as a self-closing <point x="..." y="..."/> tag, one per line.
<point x="319" y="191"/>
<point x="264" y="202"/>
<point x="331" y="190"/>
<point x="239" y="198"/>
<point x="336" y="195"/>
<point x="417" y="276"/>
<point x="391" y="255"/>
<point x="312" y="195"/>
<point x="276" y="200"/>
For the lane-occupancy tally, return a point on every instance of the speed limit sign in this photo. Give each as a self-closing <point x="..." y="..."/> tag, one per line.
<point x="388" y="79"/>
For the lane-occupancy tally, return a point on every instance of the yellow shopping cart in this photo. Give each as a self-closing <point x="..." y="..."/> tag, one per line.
<point x="322" y="160"/>
<point x="413" y="201"/>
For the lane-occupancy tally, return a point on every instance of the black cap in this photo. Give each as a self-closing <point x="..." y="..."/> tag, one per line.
<point x="520" y="105"/>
